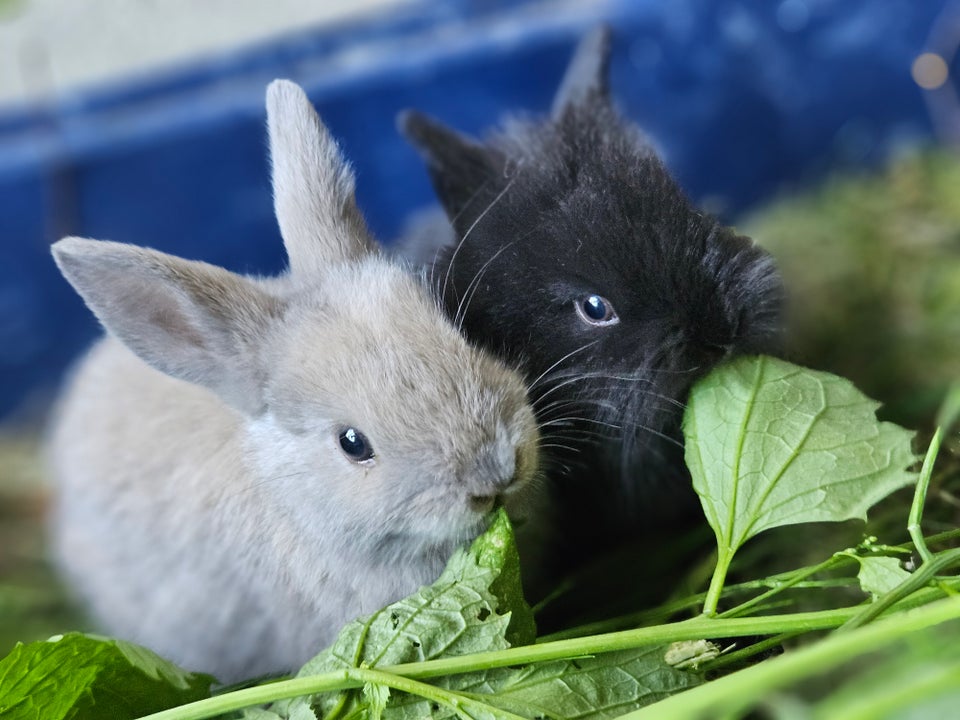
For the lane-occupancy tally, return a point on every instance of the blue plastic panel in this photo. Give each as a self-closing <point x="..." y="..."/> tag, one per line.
<point x="742" y="98"/>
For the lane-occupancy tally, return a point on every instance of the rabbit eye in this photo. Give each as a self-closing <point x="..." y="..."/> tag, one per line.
<point x="355" y="445"/>
<point x="597" y="310"/>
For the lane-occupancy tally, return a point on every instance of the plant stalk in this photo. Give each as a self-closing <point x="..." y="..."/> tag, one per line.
<point x="724" y="557"/>
<point x="696" y="628"/>
<point x="920" y="498"/>
<point x="735" y="693"/>
<point x="693" y="629"/>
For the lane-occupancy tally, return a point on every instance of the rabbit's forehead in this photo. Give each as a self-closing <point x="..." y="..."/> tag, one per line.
<point x="375" y="350"/>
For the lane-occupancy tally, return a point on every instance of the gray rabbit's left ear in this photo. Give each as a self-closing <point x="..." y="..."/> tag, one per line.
<point x="586" y="79"/>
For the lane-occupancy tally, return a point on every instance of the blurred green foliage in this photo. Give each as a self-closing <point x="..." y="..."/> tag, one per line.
<point x="872" y="270"/>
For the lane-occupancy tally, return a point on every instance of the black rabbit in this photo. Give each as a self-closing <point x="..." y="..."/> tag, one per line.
<point x="575" y="256"/>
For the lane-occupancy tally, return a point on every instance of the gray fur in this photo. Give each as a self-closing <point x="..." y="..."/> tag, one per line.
<point x="204" y="506"/>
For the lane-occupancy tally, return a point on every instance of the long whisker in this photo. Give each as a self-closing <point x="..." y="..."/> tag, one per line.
<point x="574" y="418"/>
<point x="561" y="446"/>
<point x="562" y="405"/>
<point x="472" y="288"/>
<point x="565" y="357"/>
<point x="453" y="258"/>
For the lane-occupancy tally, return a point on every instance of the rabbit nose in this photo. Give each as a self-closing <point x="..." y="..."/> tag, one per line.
<point x="494" y="469"/>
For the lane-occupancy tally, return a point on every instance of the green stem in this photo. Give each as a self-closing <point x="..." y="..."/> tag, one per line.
<point x="943" y="536"/>
<point x="732" y="694"/>
<point x="663" y="613"/>
<point x="696" y="628"/>
<point x="797" y="577"/>
<point x="724" y="557"/>
<point x="773" y="584"/>
<point x="920" y="498"/>
<point x="732" y="658"/>
<point x="693" y="629"/>
<point x="453" y="700"/>
<point x="340" y="679"/>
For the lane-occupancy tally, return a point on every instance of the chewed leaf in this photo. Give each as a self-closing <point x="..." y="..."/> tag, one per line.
<point x="769" y="444"/>
<point x="376" y="697"/>
<point x="475" y="605"/>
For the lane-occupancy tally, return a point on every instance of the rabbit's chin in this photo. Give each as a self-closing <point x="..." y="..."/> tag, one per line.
<point x="453" y="531"/>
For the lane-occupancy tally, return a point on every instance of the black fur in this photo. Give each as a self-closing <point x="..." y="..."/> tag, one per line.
<point x="546" y="213"/>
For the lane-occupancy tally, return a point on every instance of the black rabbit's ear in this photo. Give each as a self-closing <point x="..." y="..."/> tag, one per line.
<point x="459" y="167"/>
<point x="586" y="79"/>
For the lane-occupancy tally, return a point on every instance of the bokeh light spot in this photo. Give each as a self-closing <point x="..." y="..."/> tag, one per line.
<point x="929" y="71"/>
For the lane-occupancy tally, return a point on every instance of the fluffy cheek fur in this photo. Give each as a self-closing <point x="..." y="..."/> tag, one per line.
<point x="337" y="503"/>
<point x="325" y="496"/>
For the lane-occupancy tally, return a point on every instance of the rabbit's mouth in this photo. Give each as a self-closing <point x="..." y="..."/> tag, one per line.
<point x="484" y="504"/>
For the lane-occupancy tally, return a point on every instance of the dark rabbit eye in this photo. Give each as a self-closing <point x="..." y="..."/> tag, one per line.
<point x="355" y="445"/>
<point x="597" y="310"/>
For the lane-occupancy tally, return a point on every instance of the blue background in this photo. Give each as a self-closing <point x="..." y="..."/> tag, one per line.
<point x="745" y="100"/>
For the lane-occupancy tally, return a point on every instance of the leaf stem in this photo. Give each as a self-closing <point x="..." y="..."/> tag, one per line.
<point x="696" y="628"/>
<point x="724" y="557"/>
<point x="453" y="700"/>
<point x="732" y="658"/>
<point x="693" y="629"/>
<point x="920" y="498"/>
<point x="662" y="614"/>
<point x="798" y="577"/>
<point x="347" y="678"/>
<point x="730" y="695"/>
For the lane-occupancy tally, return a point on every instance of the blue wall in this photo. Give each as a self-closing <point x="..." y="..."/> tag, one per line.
<point x="743" y="98"/>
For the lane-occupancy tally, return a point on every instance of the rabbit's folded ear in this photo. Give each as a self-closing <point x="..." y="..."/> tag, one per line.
<point x="586" y="79"/>
<point x="459" y="167"/>
<point x="313" y="186"/>
<point x="191" y="320"/>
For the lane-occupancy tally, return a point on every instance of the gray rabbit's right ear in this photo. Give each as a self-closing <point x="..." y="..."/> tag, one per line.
<point x="190" y="320"/>
<point x="587" y="77"/>
<point x="313" y="186"/>
<point x="459" y="167"/>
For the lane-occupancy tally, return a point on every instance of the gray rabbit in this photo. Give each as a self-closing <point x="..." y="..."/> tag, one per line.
<point x="243" y="464"/>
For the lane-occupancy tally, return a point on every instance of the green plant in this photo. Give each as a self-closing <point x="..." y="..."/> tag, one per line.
<point x="769" y="444"/>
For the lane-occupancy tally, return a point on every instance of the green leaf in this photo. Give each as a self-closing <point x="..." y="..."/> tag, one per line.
<point x="772" y="444"/>
<point x="376" y="697"/>
<point x="879" y="575"/>
<point x="472" y="608"/>
<point x="475" y="605"/>
<point x="602" y="686"/>
<point x="78" y="676"/>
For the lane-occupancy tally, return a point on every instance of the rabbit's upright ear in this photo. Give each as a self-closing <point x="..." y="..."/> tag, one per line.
<point x="586" y="79"/>
<point x="191" y="320"/>
<point x="313" y="187"/>
<point x="459" y="168"/>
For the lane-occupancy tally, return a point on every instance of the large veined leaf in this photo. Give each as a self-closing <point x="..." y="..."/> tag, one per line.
<point x="77" y="676"/>
<point x="459" y="614"/>
<point x="771" y="444"/>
